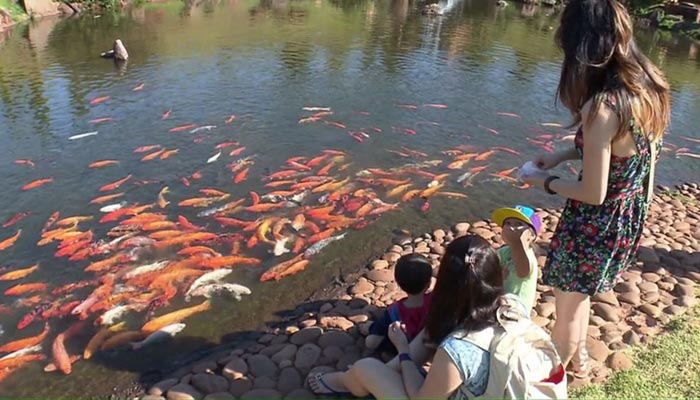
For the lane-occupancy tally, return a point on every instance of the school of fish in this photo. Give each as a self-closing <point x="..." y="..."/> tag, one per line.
<point x="171" y="247"/>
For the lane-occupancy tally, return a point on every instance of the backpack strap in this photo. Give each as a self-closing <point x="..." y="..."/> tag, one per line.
<point x="649" y="183"/>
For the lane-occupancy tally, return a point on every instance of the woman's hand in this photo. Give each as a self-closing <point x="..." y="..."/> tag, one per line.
<point x="397" y="335"/>
<point x="536" y="179"/>
<point x="547" y="161"/>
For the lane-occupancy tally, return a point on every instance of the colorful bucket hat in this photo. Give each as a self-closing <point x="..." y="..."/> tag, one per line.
<point x="523" y="213"/>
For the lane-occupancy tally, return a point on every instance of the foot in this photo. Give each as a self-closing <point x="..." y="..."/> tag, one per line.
<point x="329" y="383"/>
<point x="579" y="363"/>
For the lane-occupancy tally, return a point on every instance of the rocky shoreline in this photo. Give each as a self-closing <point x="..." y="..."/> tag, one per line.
<point x="326" y="333"/>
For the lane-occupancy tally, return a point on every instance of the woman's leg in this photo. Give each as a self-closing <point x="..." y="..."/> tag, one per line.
<point x="567" y="331"/>
<point x="366" y="376"/>
<point x="580" y="357"/>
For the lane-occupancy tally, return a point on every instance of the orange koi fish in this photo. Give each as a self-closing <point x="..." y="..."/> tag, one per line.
<point x="334" y="152"/>
<point x="229" y="261"/>
<point x="50" y="221"/>
<point x="490" y="130"/>
<point x="224" y="145"/>
<point x="98" y="100"/>
<point x="275" y="184"/>
<point x="165" y="115"/>
<point x="37" y="183"/>
<point x="10" y="241"/>
<point x="241" y="176"/>
<point x="24" y="162"/>
<point x="173" y="317"/>
<point x="316" y="160"/>
<point x="122" y="338"/>
<point x="230" y="119"/>
<point x="15" y="362"/>
<point x="336" y="124"/>
<point x="26" y="342"/>
<point x="264" y="207"/>
<point x="153" y="155"/>
<point x="115" y="184"/>
<point x="507" y="150"/>
<point x="320" y="236"/>
<point x="99" y="120"/>
<point x="183" y="128"/>
<point x="185" y="181"/>
<point x="293" y="269"/>
<point x="286" y="173"/>
<point x="24" y="288"/>
<point x="15" y="219"/>
<point x="162" y="203"/>
<point x="99" y="338"/>
<point x="194" y="250"/>
<point x="168" y="153"/>
<point x="104" y="199"/>
<point x="138" y="87"/>
<point x="102" y="163"/>
<point x="236" y="152"/>
<point x="185" y="224"/>
<point x="187" y="238"/>
<point x="18" y="274"/>
<point x="440" y="106"/>
<point x="273" y="272"/>
<point x="326" y="169"/>
<point x="484" y="156"/>
<point x="144" y="149"/>
<point x="452" y="194"/>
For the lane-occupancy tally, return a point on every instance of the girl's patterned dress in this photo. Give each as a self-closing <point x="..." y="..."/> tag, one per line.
<point x="593" y="245"/>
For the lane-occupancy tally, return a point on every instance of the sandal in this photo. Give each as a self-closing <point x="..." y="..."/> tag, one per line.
<point x="321" y="387"/>
<point x="580" y="367"/>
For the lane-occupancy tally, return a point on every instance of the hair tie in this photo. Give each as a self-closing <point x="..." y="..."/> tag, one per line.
<point x="469" y="259"/>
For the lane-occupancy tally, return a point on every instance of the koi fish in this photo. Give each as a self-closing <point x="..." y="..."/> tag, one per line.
<point x="425" y="207"/>
<point x="24" y="288"/>
<point x="104" y="199"/>
<point x="112" y="207"/>
<point x="15" y="362"/>
<point x="241" y="176"/>
<point x="203" y="128"/>
<point x="507" y="150"/>
<point x="18" y="217"/>
<point x="691" y="155"/>
<point x="37" y="183"/>
<point x="102" y="163"/>
<point x="153" y="155"/>
<point x="18" y="274"/>
<point x="10" y="241"/>
<point x="690" y="139"/>
<point x="121" y="339"/>
<point x="182" y="128"/>
<point x="440" y="106"/>
<point x="552" y="124"/>
<point x="484" y="156"/>
<point x="165" y="115"/>
<point x="98" y="100"/>
<point x="162" y="203"/>
<point x="490" y="130"/>
<point x="173" y="317"/>
<point x="273" y="272"/>
<point x="314" y="109"/>
<point x="159" y="335"/>
<point x="507" y="114"/>
<point x="230" y="119"/>
<point x="214" y="157"/>
<point x="138" y="87"/>
<point x="407" y="106"/>
<point x="336" y="124"/>
<point x="99" y="338"/>
<point x="24" y="162"/>
<point x="83" y="135"/>
<point x="144" y="149"/>
<point x="99" y="120"/>
<point x="115" y="184"/>
<point x="166" y="154"/>
<point x="26" y="342"/>
<point x="185" y="181"/>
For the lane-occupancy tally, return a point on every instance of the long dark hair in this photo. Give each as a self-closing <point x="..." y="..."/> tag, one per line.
<point x="469" y="284"/>
<point x="601" y="56"/>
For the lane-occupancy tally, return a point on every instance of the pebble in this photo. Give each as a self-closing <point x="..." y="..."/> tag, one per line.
<point x="286" y="353"/>
<point x="264" y="382"/>
<point x="648" y="287"/>
<point x="154" y="397"/>
<point x="183" y="392"/>
<point x="240" y="386"/>
<point x="461" y="228"/>
<point x="686" y="301"/>
<point x="161" y="387"/>
<point x="606" y="311"/>
<point x="300" y="394"/>
<point x="607" y="297"/>
<point x="261" y="365"/>
<point x="619" y="361"/>
<point x="262" y="394"/>
<point x="598" y="350"/>
<point x="684" y="290"/>
<point x="218" y="396"/>
<point x="382" y="275"/>
<point x="306" y="335"/>
<point x="335" y="338"/>
<point x="379" y="264"/>
<point x="336" y="323"/>
<point x="333" y="352"/>
<point x="208" y="383"/>
<point x="306" y="356"/>
<point x="651" y="297"/>
<point x="632" y="298"/>
<point x="235" y="369"/>
<point x="626" y="287"/>
<point x="289" y="380"/>
<point x="206" y="366"/>
<point x="674" y="310"/>
<point x="391" y="256"/>
<point x="631" y="338"/>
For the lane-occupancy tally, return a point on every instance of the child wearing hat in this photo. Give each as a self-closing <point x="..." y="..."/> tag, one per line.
<point x="520" y="227"/>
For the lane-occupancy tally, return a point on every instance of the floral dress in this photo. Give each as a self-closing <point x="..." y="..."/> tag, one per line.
<point x="594" y="244"/>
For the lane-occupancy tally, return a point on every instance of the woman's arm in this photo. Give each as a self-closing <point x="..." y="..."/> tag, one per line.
<point x="566" y="155"/>
<point x="419" y="352"/>
<point x="443" y="378"/>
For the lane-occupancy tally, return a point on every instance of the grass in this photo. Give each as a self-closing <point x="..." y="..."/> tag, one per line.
<point x="670" y="368"/>
<point x="13" y="8"/>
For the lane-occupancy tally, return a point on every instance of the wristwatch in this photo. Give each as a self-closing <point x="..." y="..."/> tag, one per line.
<point x="547" y="182"/>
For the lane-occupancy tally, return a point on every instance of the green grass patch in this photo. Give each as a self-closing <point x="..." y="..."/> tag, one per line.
<point x="14" y="9"/>
<point x="670" y="368"/>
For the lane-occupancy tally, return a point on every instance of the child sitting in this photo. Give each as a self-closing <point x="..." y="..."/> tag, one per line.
<point x="412" y="273"/>
<point x="520" y="229"/>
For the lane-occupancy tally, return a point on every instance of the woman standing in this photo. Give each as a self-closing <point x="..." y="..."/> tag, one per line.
<point x="622" y="102"/>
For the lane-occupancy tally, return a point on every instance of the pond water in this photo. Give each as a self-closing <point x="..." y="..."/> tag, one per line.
<point x="414" y="101"/>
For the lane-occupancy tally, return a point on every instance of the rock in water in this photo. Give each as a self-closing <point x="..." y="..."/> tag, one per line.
<point x="120" y="52"/>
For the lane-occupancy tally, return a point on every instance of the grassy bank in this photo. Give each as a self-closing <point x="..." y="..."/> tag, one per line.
<point x="668" y="369"/>
<point x="16" y="12"/>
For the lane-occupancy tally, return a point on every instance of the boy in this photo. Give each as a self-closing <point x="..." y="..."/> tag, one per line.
<point x="520" y="229"/>
<point x="412" y="273"/>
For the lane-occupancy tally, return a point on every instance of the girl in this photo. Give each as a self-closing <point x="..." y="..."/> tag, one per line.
<point x="466" y="297"/>
<point x="621" y="101"/>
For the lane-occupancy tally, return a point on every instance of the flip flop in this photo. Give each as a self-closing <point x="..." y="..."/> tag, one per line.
<point x="319" y="378"/>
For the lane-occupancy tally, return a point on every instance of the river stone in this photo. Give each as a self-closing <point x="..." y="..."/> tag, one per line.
<point x="240" y="386"/>
<point x="391" y="256"/>
<point x="632" y="298"/>
<point x="612" y="337"/>
<point x="205" y="366"/>
<point x="684" y="290"/>
<point x="289" y="380"/>
<point x="336" y="323"/>
<point x="686" y="301"/>
<point x="271" y="350"/>
<point x="647" y="255"/>
<point x="306" y="335"/>
<point x="161" y="387"/>
<point x="266" y="338"/>
<point x="235" y="369"/>
<point x="596" y="320"/>
<point x="651" y="297"/>
<point x="606" y="311"/>
<point x="648" y="287"/>
<point x="262" y="394"/>
<point x="264" y="382"/>
<point x="619" y="361"/>
<point x="346" y="361"/>
<point x="362" y="287"/>
<point x="182" y="391"/>
<point x="598" y="350"/>
<point x="300" y="394"/>
<point x="261" y="365"/>
<point x="650" y="309"/>
<point x="631" y="338"/>
<point x="208" y="383"/>
<point x="219" y="396"/>
<point x="607" y="297"/>
<point x="359" y="318"/>
<point x="632" y="277"/>
<point x="545" y="309"/>
<point x="626" y="287"/>
<point x="333" y="353"/>
<point x="461" y="228"/>
<point x="379" y="264"/>
<point x="667" y="286"/>
<point x="306" y="357"/>
<point x="335" y="338"/>
<point x="151" y="397"/>
<point x="383" y="275"/>
<point x="186" y="379"/>
<point x="287" y="353"/>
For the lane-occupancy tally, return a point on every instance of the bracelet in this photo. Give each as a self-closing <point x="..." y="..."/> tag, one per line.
<point x="547" y="182"/>
<point x="404" y="357"/>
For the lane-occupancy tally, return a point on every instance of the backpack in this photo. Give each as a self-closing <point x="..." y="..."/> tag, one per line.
<point x="524" y="363"/>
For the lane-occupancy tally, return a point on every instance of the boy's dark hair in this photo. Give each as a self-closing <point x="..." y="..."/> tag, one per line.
<point x="412" y="273"/>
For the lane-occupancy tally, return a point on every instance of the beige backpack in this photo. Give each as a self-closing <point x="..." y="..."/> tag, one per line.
<point x="523" y="361"/>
